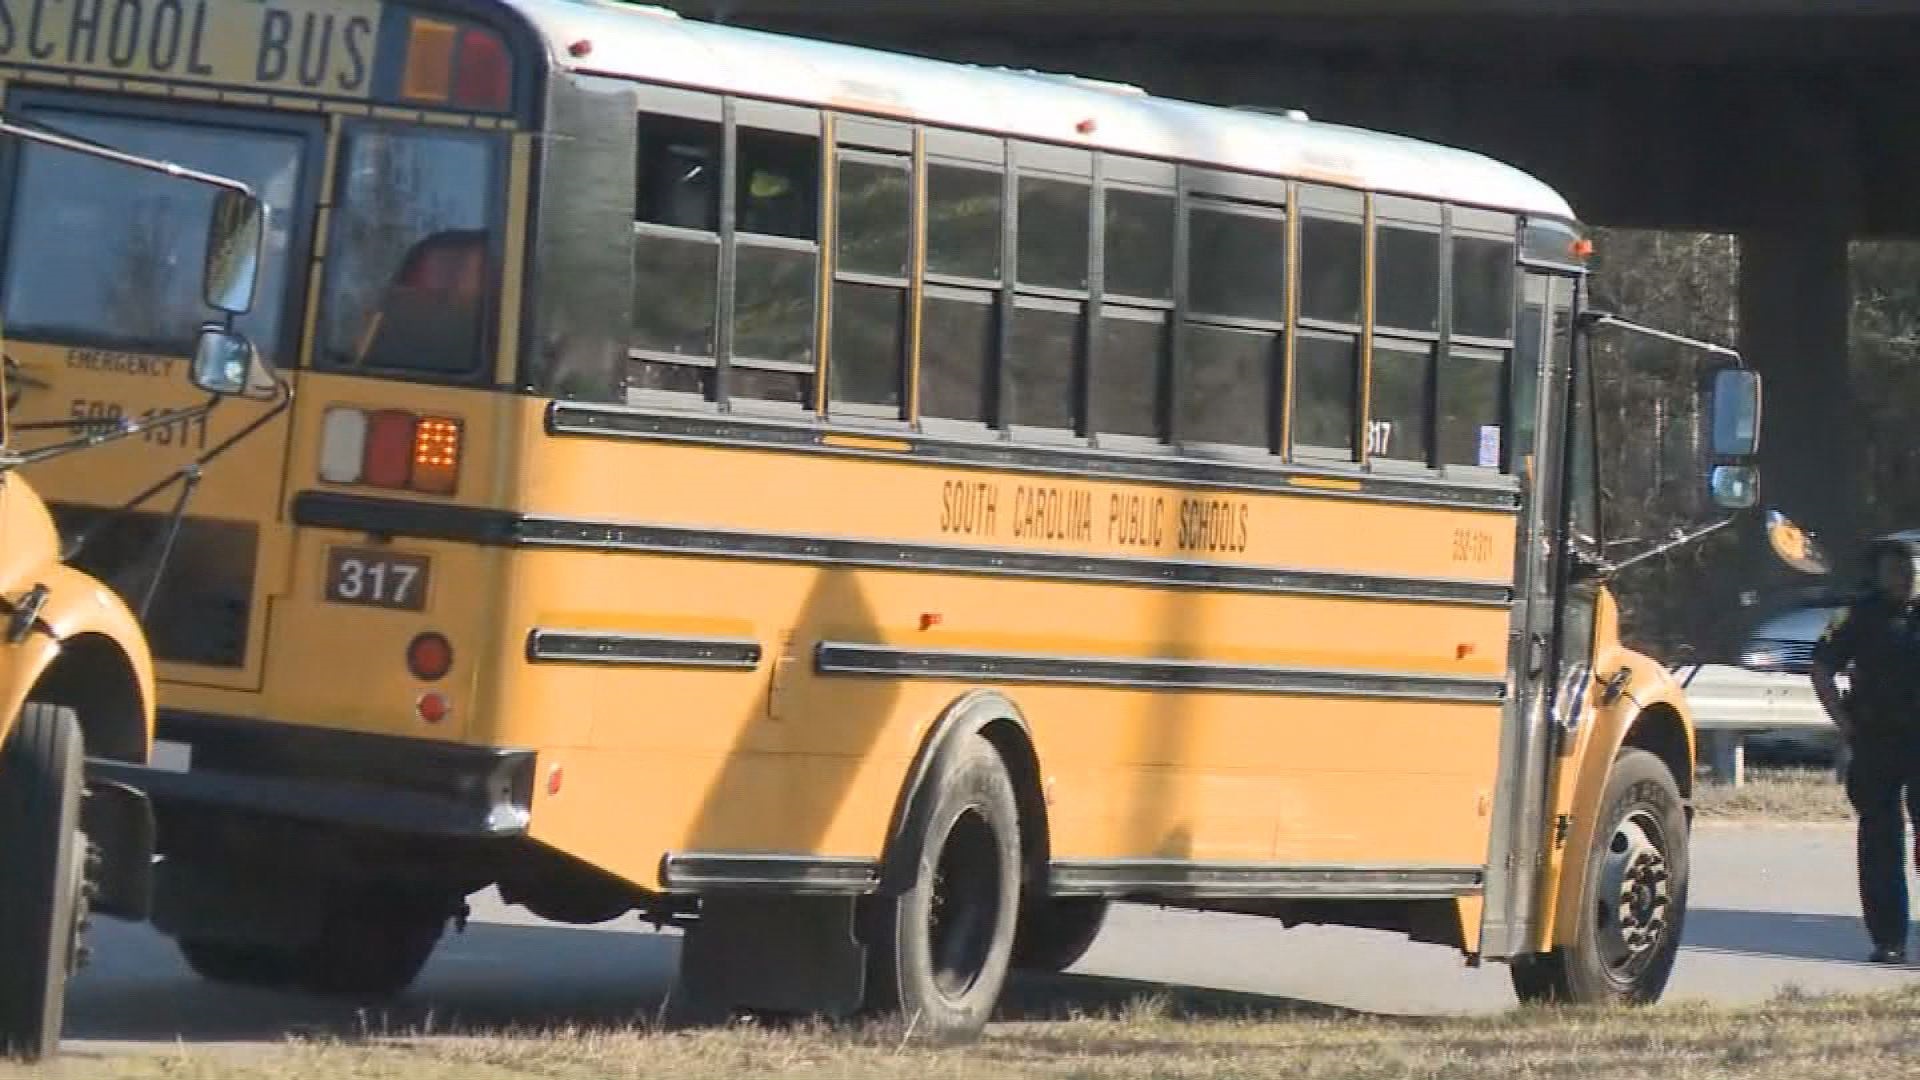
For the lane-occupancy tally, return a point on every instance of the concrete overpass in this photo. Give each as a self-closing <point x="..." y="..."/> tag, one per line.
<point x="1795" y="123"/>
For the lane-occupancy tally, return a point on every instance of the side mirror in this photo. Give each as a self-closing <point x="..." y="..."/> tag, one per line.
<point x="1734" y="487"/>
<point x="226" y="363"/>
<point x="235" y="236"/>
<point x="1735" y="411"/>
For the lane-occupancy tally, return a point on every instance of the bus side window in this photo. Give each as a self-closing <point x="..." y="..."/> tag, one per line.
<point x="1473" y="420"/>
<point x="1407" y="330"/>
<point x="776" y="260"/>
<point x="1326" y="364"/>
<point x="676" y="255"/>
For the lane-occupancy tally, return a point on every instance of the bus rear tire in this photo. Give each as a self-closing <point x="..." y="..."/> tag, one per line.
<point x="368" y="945"/>
<point x="1056" y="932"/>
<point x="939" y="952"/>
<point x="1636" y="876"/>
<point x="43" y="897"/>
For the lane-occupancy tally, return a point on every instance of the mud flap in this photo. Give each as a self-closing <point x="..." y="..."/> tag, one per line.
<point x="118" y="821"/>
<point x="796" y="955"/>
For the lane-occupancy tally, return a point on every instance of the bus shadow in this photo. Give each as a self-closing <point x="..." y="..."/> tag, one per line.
<point x="506" y="980"/>
<point x="1785" y="935"/>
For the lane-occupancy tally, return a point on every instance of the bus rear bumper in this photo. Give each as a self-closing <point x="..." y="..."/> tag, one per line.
<point x="410" y="786"/>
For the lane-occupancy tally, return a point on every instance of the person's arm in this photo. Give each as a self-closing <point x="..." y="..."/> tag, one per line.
<point x="1831" y="654"/>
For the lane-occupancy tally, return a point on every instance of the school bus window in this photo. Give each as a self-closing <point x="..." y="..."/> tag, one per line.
<point x="776" y="261"/>
<point x="1326" y="371"/>
<point x="875" y="216"/>
<point x="1406" y="292"/>
<point x="1332" y="252"/>
<point x="1226" y="394"/>
<point x="409" y="276"/>
<point x="1401" y="411"/>
<point x="1130" y="393"/>
<point x="873" y="242"/>
<point x="676" y="255"/>
<point x="965" y="208"/>
<point x="1043" y="368"/>
<point x="1483" y="275"/>
<point x="1139" y="243"/>
<point x="869" y="338"/>
<point x="679" y="162"/>
<point x="959" y="336"/>
<point x="1472" y="384"/>
<point x="1055" y="231"/>
<point x="778" y="190"/>
<point x="1236" y="261"/>
<point x="112" y="289"/>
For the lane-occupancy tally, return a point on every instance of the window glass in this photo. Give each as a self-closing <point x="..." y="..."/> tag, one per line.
<point x="679" y="162"/>
<point x="1325" y="372"/>
<point x="1130" y="389"/>
<point x="1400" y="417"/>
<point x="964" y="219"/>
<point x="409" y="281"/>
<point x="1406" y="292"/>
<point x="959" y="336"/>
<point x="1332" y="253"/>
<point x="109" y="255"/>
<point x="1139" y="243"/>
<point x="675" y="280"/>
<point x="1042" y="368"/>
<point x="779" y="184"/>
<point x="788" y="387"/>
<point x="869" y="328"/>
<point x="773" y="302"/>
<point x="1472" y="385"/>
<point x="875" y="216"/>
<point x="669" y="376"/>
<point x="1483" y="277"/>
<point x="1237" y="264"/>
<point x="1227" y="392"/>
<point x="1055" y="232"/>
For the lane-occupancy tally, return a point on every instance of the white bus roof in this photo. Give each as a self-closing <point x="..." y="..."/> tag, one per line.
<point x="655" y="45"/>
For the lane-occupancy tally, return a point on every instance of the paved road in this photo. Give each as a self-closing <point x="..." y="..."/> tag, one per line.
<point x="1771" y="908"/>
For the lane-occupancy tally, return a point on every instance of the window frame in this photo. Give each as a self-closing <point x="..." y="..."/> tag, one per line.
<point x="702" y="108"/>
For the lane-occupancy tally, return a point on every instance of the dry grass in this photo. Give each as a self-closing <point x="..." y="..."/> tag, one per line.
<point x="1793" y="1037"/>
<point x="1787" y="796"/>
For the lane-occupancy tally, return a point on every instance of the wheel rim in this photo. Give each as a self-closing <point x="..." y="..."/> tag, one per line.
<point x="1635" y="898"/>
<point x="966" y="904"/>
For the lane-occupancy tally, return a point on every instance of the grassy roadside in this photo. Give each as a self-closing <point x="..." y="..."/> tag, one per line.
<point x="1792" y="1037"/>
<point x="1775" y="796"/>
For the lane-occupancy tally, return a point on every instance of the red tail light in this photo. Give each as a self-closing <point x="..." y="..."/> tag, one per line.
<point x="391" y="448"/>
<point x="486" y="72"/>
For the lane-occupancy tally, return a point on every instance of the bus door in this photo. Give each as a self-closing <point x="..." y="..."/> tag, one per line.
<point x="1553" y="616"/>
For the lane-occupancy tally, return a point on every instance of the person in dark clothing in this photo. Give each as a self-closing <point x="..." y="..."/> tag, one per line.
<point x="1875" y="641"/>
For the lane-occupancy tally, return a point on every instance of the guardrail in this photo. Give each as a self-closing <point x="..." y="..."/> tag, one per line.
<point x="1732" y="703"/>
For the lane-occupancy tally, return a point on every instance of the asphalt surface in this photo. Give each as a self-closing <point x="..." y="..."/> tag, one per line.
<point x="1772" y="908"/>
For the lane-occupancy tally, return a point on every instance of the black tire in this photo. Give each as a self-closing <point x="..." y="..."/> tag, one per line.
<point x="1636" y="875"/>
<point x="939" y="952"/>
<point x="241" y="965"/>
<point x="42" y="868"/>
<point x="1056" y="932"/>
<point x="368" y="945"/>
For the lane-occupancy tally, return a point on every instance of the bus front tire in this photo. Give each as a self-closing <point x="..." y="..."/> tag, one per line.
<point x="1056" y="932"/>
<point x="939" y="952"/>
<point x="43" y="896"/>
<point x="1636" y="876"/>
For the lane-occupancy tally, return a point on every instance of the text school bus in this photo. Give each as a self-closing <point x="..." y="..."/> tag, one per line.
<point x="870" y="511"/>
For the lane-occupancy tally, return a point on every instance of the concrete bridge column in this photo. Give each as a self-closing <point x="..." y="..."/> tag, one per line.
<point x="1795" y="300"/>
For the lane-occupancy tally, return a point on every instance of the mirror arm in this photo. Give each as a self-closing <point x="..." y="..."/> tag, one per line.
<point x="1591" y="318"/>
<point x="1678" y="540"/>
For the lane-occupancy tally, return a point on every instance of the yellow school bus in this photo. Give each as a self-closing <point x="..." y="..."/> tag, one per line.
<point x="76" y="676"/>
<point x="871" y="512"/>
